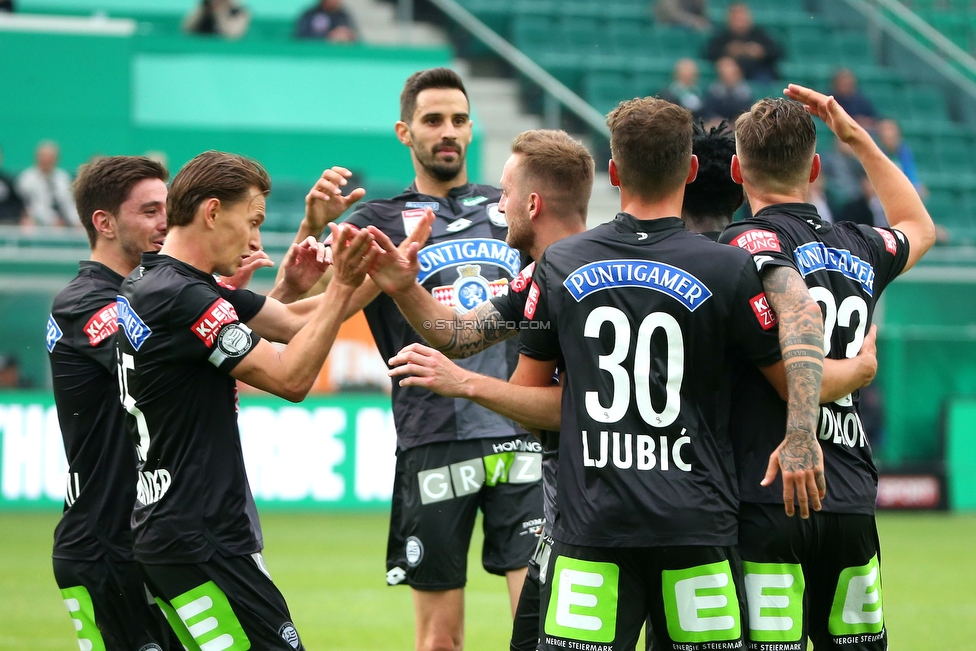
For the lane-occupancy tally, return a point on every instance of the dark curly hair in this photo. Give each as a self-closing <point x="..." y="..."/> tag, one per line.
<point x="713" y="196"/>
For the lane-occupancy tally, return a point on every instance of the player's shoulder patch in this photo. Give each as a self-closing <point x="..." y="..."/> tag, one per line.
<point x="53" y="334"/>
<point x="764" y="314"/>
<point x="103" y="324"/>
<point x="757" y="240"/>
<point x="891" y="244"/>
<point x="136" y="330"/>
<point x="208" y="326"/>
<point x="525" y="276"/>
<point x="532" y="302"/>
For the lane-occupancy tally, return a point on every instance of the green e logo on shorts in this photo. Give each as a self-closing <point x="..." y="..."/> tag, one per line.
<point x="774" y="592"/>
<point x="209" y="619"/>
<point x="700" y="604"/>
<point x="82" y="611"/>
<point x="583" y="603"/>
<point x="857" y="601"/>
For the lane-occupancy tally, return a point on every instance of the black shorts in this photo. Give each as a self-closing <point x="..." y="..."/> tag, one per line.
<point x="109" y="606"/>
<point x="599" y="598"/>
<point x="525" y="628"/>
<point x="437" y="492"/>
<point x="226" y="603"/>
<point x="818" y="578"/>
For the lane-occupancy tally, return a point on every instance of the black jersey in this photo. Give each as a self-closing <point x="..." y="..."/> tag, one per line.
<point x="464" y="263"/>
<point x="101" y="458"/>
<point x="646" y="317"/>
<point x="511" y="307"/>
<point x="846" y="266"/>
<point x="179" y="339"/>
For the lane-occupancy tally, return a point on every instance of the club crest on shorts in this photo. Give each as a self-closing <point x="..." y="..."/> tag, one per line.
<point x="414" y="551"/>
<point x="290" y="635"/>
<point x="470" y="290"/>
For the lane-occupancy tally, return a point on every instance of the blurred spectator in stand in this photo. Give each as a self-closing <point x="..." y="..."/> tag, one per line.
<point x="852" y="100"/>
<point x="7" y="6"/>
<point x="817" y="197"/>
<point x="889" y="137"/>
<point x="10" y="377"/>
<point x="688" y="13"/>
<point x="11" y="205"/>
<point x="328" y="20"/>
<point x="46" y="189"/>
<point x="218" y="17"/>
<point x="752" y="48"/>
<point x="842" y="175"/>
<point x="866" y="208"/>
<point x="684" y="90"/>
<point x="730" y="96"/>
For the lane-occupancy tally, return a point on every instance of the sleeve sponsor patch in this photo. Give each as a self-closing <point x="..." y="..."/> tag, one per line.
<point x="520" y="281"/>
<point x="216" y="317"/>
<point x="234" y="341"/>
<point x="757" y="240"/>
<point x="53" y="334"/>
<point x="891" y="244"/>
<point x="103" y="324"/>
<point x="532" y="301"/>
<point x="764" y="314"/>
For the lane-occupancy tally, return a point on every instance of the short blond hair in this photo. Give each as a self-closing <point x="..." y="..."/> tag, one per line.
<point x="560" y="167"/>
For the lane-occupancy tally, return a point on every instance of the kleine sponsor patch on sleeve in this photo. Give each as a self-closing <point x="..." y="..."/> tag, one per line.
<point x="216" y="317"/>
<point x="103" y="324"/>
<point x="764" y="314"/>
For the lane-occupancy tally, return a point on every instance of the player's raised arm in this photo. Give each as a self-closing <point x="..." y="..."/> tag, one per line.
<point x="801" y="340"/>
<point x="535" y="404"/>
<point x="291" y="372"/>
<point x="899" y="198"/>
<point x="457" y="336"/>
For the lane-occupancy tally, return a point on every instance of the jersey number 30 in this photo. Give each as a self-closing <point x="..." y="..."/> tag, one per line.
<point x="620" y="400"/>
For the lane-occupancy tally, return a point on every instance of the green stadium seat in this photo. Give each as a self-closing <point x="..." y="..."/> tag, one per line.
<point x="926" y="103"/>
<point x="628" y="37"/>
<point x="955" y="155"/>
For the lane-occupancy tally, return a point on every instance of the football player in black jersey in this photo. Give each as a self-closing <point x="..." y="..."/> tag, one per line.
<point x="122" y="205"/>
<point x="824" y="574"/>
<point x="646" y="497"/>
<point x="465" y="263"/>
<point x="546" y="186"/>
<point x="182" y="345"/>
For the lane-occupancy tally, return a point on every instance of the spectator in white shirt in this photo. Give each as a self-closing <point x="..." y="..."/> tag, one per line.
<point x="46" y="189"/>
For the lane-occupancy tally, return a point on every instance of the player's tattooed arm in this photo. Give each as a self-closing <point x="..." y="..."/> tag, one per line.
<point x="478" y="329"/>
<point x="801" y="340"/>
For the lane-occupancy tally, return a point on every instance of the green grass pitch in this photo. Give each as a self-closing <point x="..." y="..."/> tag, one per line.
<point x="330" y="568"/>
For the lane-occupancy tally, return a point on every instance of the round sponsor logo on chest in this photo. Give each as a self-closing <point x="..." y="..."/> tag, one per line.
<point x="234" y="340"/>
<point x="415" y="551"/>
<point x="495" y="216"/>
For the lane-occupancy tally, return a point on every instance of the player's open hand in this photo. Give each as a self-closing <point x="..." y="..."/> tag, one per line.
<point x="801" y="461"/>
<point x="395" y="268"/>
<point x="422" y="366"/>
<point x="827" y="109"/>
<point x="245" y="272"/>
<point x="353" y="252"/>
<point x="304" y="264"/>
<point x="325" y="203"/>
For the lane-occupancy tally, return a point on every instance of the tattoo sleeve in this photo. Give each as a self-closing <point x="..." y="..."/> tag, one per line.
<point x="801" y="341"/>
<point x="480" y="328"/>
